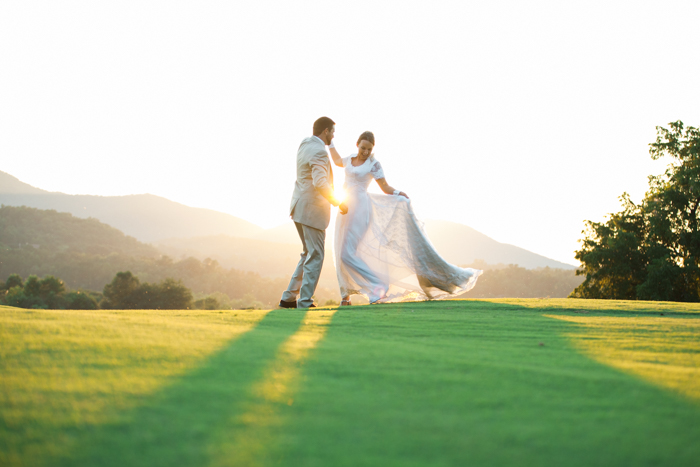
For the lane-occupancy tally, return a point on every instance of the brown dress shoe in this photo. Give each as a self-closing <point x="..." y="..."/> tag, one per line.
<point x="284" y="304"/>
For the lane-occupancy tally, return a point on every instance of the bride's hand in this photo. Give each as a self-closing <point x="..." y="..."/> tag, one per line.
<point x="343" y="208"/>
<point x="401" y="193"/>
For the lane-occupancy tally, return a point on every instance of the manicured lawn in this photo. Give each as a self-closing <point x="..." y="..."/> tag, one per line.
<point x="452" y="383"/>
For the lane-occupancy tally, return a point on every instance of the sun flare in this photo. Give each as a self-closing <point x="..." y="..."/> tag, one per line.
<point x="339" y="194"/>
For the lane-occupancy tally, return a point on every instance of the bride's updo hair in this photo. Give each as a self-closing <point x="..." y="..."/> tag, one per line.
<point x="367" y="136"/>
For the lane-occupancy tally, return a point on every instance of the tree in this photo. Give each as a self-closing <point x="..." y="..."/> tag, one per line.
<point x="127" y="293"/>
<point x="16" y="297"/>
<point x="118" y="293"/>
<point x="651" y="250"/>
<point x="13" y="281"/>
<point x="50" y="285"/>
<point x="49" y="289"/>
<point x="80" y="301"/>
<point x="173" y="295"/>
<point x="49" y="292"/>
<point x="207" y="303"/>
<point x="32" y="288"/>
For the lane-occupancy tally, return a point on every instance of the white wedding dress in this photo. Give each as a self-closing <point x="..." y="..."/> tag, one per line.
<point x="381" y="249"/>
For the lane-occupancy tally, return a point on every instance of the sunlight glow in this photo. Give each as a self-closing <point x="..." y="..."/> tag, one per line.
<point x="339" y="194"/>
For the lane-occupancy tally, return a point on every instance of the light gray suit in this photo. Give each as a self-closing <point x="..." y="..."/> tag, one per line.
<point x="311" y="212"/>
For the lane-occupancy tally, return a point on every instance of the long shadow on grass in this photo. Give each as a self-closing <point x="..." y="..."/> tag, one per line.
<point x="468" y="383"/>
<point x="176" y="426"/>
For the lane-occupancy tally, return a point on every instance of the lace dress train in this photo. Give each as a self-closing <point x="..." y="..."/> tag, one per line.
<point x="382" y="251"/>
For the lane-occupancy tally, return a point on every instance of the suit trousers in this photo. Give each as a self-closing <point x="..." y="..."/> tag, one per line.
<point x="308" y="271"/>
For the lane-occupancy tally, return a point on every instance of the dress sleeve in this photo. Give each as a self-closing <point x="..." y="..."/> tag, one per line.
<point x="377" y="171"/>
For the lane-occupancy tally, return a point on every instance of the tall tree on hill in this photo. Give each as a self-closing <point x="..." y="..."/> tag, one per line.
<point x="651" y="250"/>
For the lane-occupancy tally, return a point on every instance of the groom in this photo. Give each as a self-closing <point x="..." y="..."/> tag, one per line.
<point x="311" y="212"/>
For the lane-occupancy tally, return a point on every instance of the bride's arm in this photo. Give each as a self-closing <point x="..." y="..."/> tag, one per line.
<point x="389" y="190"/>
<point x="337" y="160"/>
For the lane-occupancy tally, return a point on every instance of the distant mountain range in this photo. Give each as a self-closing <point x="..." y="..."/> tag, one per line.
<point x="144" y="217"/>
<point x="180" y="230"/>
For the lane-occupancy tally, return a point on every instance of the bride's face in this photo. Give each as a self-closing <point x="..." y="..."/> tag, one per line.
<point x="364" y="149"/>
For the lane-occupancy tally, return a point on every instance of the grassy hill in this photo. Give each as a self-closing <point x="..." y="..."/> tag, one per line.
<point x="452" y="383"/>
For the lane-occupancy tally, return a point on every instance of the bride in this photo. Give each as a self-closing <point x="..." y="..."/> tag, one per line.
<point x="381" y="249"/>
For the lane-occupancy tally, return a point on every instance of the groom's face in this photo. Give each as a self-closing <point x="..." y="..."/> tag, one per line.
<point x="327" y="135"/>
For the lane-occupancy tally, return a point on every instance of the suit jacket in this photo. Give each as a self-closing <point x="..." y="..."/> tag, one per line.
<point x="313" y="190"/>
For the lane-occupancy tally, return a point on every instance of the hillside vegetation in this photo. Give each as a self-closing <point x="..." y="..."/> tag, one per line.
<point x="270" y="259"/>
<point x="86" y="254"/>
<point x="24" y="229"/>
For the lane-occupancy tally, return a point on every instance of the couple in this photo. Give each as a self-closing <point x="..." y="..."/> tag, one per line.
<point x="381" y="249"/>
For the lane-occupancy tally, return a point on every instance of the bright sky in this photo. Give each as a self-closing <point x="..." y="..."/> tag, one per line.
<point x="518" y="118"/>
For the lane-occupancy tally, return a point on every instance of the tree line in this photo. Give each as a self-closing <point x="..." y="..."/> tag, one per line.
<point x="49" y="292"/>
<point x="124" y="292"/>
<point x="651" y="250"/>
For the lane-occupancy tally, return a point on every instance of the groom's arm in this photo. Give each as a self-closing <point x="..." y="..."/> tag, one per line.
<point x="321" y="178"/>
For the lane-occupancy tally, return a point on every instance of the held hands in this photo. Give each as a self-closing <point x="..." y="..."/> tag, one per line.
<point x="343" y="208"/>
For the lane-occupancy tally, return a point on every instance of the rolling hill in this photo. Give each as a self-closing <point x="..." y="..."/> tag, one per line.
<point x="182" y="230"/>
<point x="457" y="243"/>
<point x="24" y="228"/>
<point x="460" y="244"/>
<point x="145" y="217"/>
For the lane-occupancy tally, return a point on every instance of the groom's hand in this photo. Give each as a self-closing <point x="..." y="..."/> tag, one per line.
<point x="343" y="208"/>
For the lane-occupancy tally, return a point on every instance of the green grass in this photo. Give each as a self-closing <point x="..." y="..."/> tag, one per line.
<point x="448" y="383"/>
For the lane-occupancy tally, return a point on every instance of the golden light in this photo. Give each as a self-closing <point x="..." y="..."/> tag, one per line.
<point x="339" y="194"/>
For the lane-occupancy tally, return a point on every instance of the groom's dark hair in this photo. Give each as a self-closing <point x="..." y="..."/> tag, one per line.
<point x="322" y="124"/>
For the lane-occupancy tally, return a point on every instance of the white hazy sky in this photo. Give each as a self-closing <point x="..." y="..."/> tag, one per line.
<point x="518" y="118"/>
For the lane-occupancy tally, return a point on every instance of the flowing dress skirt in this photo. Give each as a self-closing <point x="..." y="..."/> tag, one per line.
<point x="383" y="253"/>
